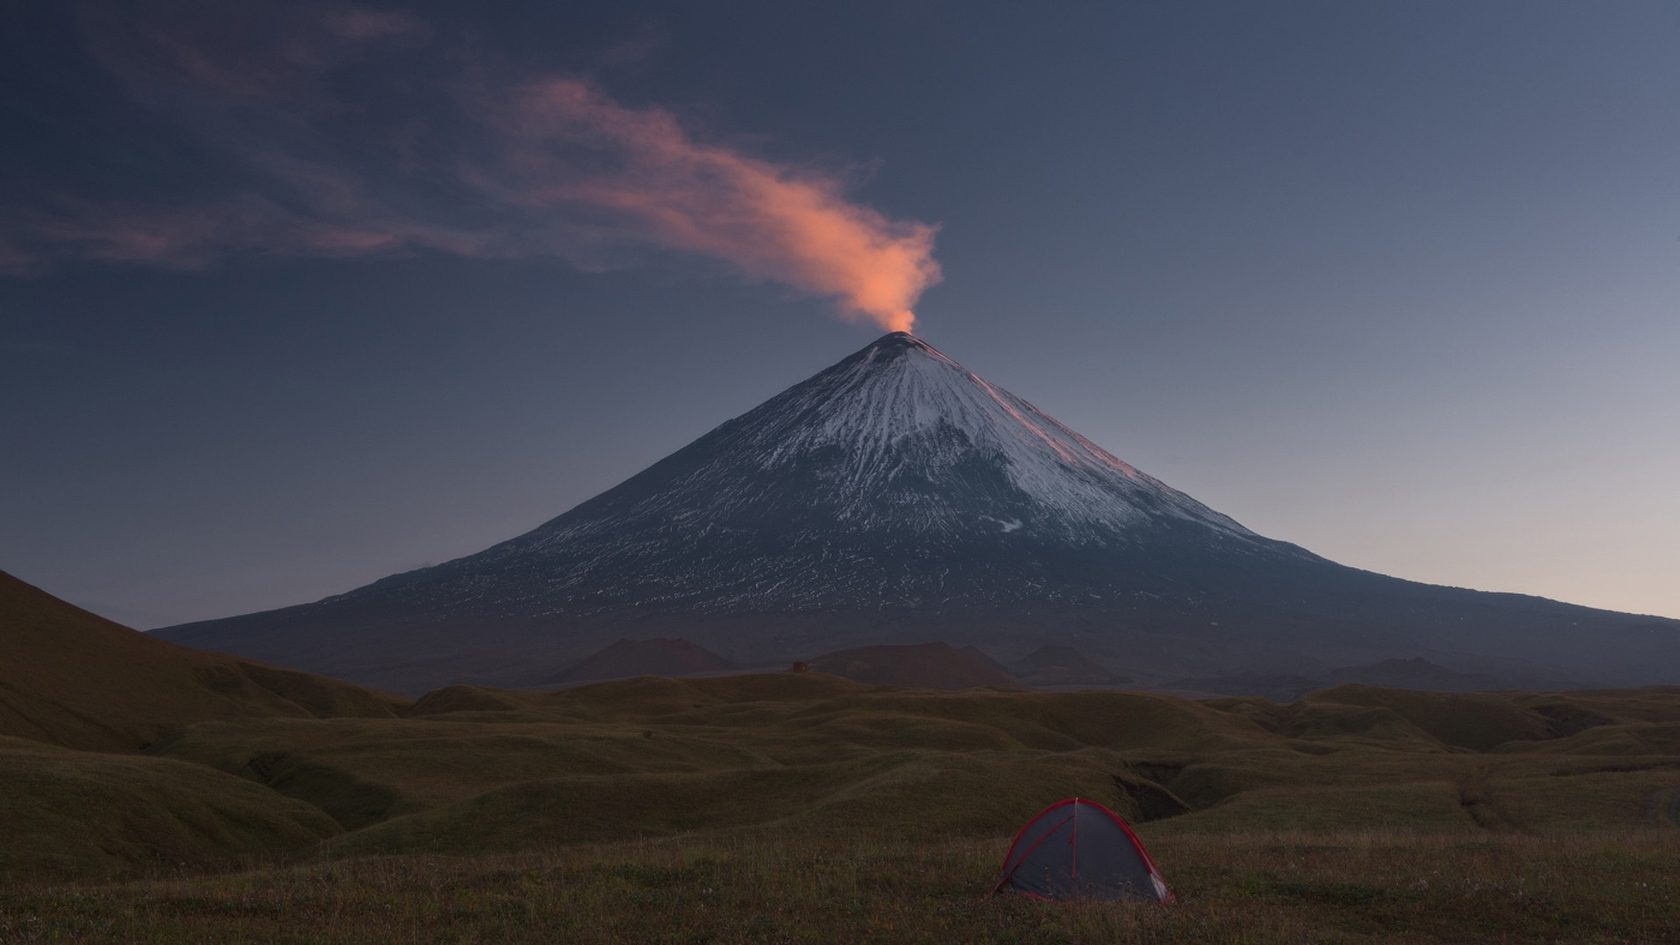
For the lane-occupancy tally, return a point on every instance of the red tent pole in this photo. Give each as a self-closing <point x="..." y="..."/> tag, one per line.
<point x="1076" y="838"/>
<point x="1009" y="871"/>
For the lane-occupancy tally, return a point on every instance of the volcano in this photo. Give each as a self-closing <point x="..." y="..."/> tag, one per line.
<point x="898" y="497"/>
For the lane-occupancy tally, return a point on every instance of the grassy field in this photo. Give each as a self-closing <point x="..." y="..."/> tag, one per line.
<point x="805" y="808"/>
<point x="1253" y="888"/>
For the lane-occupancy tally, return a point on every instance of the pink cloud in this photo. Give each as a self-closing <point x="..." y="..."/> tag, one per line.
<point x="14" y="261"/>
<point x="359" y="23"/>
<point x="193" y="237"/>
<point x="246" y="50"/>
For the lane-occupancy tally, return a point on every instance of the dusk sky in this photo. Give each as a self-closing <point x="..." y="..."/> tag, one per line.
<point x="301" y="295"/>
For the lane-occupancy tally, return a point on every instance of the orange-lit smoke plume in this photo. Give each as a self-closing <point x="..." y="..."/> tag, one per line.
<point x="484" y="162"/>
<point x="788" y="225"/>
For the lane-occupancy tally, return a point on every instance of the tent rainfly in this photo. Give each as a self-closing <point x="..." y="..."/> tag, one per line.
<point x="1079" y="849"/>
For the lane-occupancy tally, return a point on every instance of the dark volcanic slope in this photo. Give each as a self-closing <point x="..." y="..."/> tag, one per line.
<point x="897" y="496"/>
<point x="72" y="678"/>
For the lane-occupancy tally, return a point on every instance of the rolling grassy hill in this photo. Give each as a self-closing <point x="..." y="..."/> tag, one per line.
<point x="79" y="815"/>
<point x="799" y="806"/>
<point x="69" y="677"/>
<point x="487" y="771"/>
<point x="805" y="807"/>
<point x="81" y="698"/>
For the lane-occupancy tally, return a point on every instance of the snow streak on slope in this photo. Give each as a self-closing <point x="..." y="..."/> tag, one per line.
<point x="889" y="405"/>
<point x="902" y="440"/>
<point x="896" y="479"/>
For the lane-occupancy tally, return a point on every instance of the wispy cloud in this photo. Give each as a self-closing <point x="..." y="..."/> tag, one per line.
<point x="15" y="260"/>
<point x="359" y="133"/>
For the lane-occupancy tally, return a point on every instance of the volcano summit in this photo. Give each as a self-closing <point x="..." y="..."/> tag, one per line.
<point x="898" y="497"/>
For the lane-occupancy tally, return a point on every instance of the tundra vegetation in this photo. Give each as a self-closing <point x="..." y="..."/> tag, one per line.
<point x="807" y="808"/>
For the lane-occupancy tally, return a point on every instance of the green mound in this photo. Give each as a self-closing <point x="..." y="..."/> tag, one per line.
<point x="499" y="771"/>
<point x="463" y="699"/>
<point x="79" y="815"/>
<point x="1461" y="720"/>
<point x="886" y="795"/>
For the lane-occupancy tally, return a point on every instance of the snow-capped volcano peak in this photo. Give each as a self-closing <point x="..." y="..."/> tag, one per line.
<point x="807" y="499"/>
<point x="896" y="497"/>
<point x="900" y="416"/>
<point x="896" y="453"/>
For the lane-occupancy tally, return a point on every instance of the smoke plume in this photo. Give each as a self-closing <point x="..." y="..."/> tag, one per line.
<point x="479" y="160"/>
<point x="769" y="221"/>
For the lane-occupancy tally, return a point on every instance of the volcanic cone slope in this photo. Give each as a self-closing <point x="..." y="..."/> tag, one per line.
<point x="898" y="497"/>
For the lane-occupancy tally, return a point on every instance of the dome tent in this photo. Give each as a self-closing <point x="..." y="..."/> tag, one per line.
<point x="1079" y="849"/>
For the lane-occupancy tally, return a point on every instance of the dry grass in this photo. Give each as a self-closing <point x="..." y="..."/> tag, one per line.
<point x="74" y="814"/>
<point x="785" y="808"/>
<point x="1250" y="888"/>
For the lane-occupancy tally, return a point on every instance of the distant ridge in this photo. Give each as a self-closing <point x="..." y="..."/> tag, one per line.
<point x="1415" y="673"/>
<point x="1065" y="666"/>
<point x="917" y="666"/>
<point x="627" y="658"/>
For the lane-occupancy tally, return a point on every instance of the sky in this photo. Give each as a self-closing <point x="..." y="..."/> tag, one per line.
<point x="297" y="295"/>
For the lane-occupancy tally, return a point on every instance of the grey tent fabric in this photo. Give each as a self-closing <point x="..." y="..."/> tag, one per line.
<point x="1079" y="849"/>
